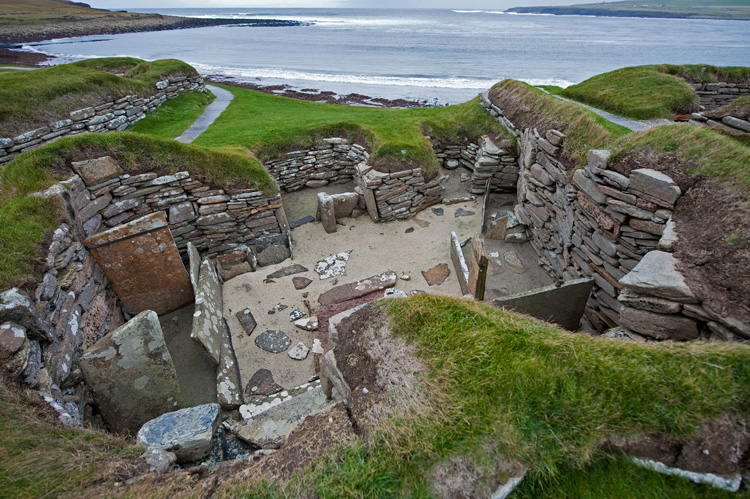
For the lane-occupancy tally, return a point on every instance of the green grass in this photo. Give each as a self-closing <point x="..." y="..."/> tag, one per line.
<point x="41" y="460"/>
<point x="26" y="218"/>
<point x="694" y="9"/>
<point x="714" y="153"/>
<point x="268" y="124"/>
<point x="527" y="106"/>
<point x="30" y="12"/>
<point x="638" y="93"/>
<point x="30" y="99"/>
<point x="505" y="386"/>
<point x="174" y="116"/>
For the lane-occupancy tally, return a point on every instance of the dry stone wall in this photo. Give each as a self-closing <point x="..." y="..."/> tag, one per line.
<point x="396" y="195"/>
<point x="715" y="95"/>
<point x="108" y="117"/>
<point x="486" y="161"/>
<point x="616" y="229"/>
<point x="330" y="163"/>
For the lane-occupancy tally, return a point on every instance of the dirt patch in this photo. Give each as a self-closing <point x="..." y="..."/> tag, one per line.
<point x="463" y="477"/>
<point x="389" y="164"/>
<point x="722" y="447"/>
<point x="325" y="313"/>
<point x="713" y="223"/>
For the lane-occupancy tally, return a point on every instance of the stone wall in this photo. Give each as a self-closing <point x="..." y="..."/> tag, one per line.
<point x="107" y="117"/>
<point x="486" y="161"/>
<point x="714" y="95"/>
<point x="616" y="229"/>
<point x="330" y="163"/>
<point x="396" y="195"/>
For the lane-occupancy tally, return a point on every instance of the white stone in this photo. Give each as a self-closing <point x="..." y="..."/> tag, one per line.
<point x="299" y="351"/>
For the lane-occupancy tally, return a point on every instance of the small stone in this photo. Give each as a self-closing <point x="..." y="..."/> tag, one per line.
<point x="296" y="314"/>
<point x="299" y="352"/>
<point x="273" y="341"/>
<point x="513" y="262"/>
<point x="12" y="337"/>
<point x="405" y="277"/>
<point x="465" y="177"/>
<point x="287" y="271"/>
<point x="463" y="213"/>
<point x="394" y="293"/>
<point x="247" y="321"/>
<point x="277" y="308"/>
<point x="262" y="383"/>
<point x="301" y="282"/>
<point x="409" y="230"/>
<point x="308" y="324"/>
<point x="437" y="274"/>
<point x="438" y="211"/>
<point x="332" y="266"/>
<point x="159" y="461"/>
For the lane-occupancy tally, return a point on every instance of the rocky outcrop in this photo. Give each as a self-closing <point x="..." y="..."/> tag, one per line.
<point x="131" y="374"/>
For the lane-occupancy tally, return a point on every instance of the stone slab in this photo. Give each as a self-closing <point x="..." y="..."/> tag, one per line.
<point x="459" y="264"/>
<point x="350" y="291"/>
<point x="437" y="274"/>
<point x="270" y="429"/>
<point x="655" y="184"/>
<point x="272" y="249"/>
<point x="287" y="271"/>
<point x="563" y="305"/>
<point x="477" y="263"/>
<point x="262" y="383"/>
<point x="97" y="171"/>
<point x="228" y="382"/>
<point x="273" y="341"/>
<point x="332" y="266"/>
<point x="16" y="307"/>
<point x="143" y="264"/>
<point x="659" y="326"/>
<point x="247" y="321"/>
<point x="187" y="433"/>
<point x="131" y="374"/>
<point x="656" y="274"/>
<point x="208" y="318"/>
<point x="301" y="282"/>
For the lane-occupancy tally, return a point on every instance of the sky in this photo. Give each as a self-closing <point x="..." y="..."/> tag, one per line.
<point x="414" y="4"/>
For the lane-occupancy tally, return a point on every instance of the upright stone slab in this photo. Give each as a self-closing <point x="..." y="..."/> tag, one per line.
<point x="97" y="171"/>
<point x="143" y="264"/>
<point x="228" y="382"/>
<point x="459" y="264"/>
<point x="195" y="265"/>
<point x="327" y="212"/>
<point x="563" y="305"/>
<point x="477" y="268"/>
<point x="131" y="374"/>
<point x="208" y="317"/>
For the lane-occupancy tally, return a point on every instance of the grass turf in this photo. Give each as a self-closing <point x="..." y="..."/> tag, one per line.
<point x="26" y="218"/>
<point x="30" y="99"/>
<point x="174" y="116"/>
<point x="650" y="92"/>
<point x="29" y="12"/>
<point x="268" y="125"/>
<point x="508" y="387"/>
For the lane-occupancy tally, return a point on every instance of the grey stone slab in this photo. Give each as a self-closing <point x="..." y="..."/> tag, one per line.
<point x="302" y="221"/>
<point x="463" y="213"/>
<point x="131" y="374"/>
<point x="273" y="341"/>
<point x="659" y="326"/>
<point x="247" y="320"/>
<point x="187" y="433"/>
<point x="16" y="307"/>
<point x="349" y="291"/>
<point x="563" y="305"/>
<point x="655" y="184"/>
<point x="588" y="186"/>
<point x="228" y="382"/>
<point x="262" y="383"/>
<point x="656" y="274"/>
<point x="287" y="271"/>
<point x="208" y="319"/>
<point x="272" y="249"/>
<point x="96" y="171"/>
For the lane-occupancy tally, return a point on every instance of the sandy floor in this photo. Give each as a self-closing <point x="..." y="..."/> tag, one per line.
<point x="375" y="248"/>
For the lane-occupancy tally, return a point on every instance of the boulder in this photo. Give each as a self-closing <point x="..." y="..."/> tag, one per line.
<point x="17" y="307"/>
<point x="159" y="461"/>
<point x="656" y="274"/>
<point x="187" y="432"/>
<point x="131" y="374"/>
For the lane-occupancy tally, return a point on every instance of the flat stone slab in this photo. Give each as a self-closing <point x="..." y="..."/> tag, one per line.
<point x="656" y="274"/>
<point x="272" y="249"/>
<point x="97" y="171"/>
<point x="438" y="211"/>
<point x="131" y="374"/>
<point x="247" y="321"/>
<point x="273" y="340"/>
<point x="296" y="314"/>
<point x="308" y="323"/>
<point x="299" y="351"/>
<point x="301" y="282"/>
<point x="463" y="213"/>
<point x="187" y="432"/>
<point x="302" y="221"/>
<point x="513" y="262"/>
<point x="286" y="271"/>
<point x="332" y="266"/>
<point x="437" y="274"/>
<point x="270" y="429"/>
<point x="262" y="383"/>
<point x="350" y="291"/>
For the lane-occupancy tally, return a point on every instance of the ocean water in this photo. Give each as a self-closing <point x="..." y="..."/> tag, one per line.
<point x="443" y="56"/>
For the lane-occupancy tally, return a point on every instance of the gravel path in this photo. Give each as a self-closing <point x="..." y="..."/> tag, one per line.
<point x="635" y="126"/>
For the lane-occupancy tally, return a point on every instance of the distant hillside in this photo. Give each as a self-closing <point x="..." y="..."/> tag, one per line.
<point x="15" y="12"/>
<point x="686" y="9"/>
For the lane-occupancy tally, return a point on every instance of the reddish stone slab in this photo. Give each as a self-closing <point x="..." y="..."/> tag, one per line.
<point x="346" y="292"/>
<point x="143" y="264"/>
<point x="437" y="274"/>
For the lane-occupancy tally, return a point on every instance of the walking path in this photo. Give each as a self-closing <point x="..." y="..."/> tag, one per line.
<point x="223" y="98"/>
<point x="20" y="68"/>
<point x="633" y="125"/>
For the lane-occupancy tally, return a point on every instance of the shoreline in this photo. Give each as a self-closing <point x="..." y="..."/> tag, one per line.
<point x="15" y="36"/>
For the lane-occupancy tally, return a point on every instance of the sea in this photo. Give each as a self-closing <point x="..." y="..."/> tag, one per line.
<point x="437" y="56"/>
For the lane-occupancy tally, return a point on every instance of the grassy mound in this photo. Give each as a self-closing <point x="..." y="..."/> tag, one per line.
<point x="31" y="99"/>
<point x="174" y="116"/>
<point x="650" y="92"/>
<point x="528" y="107"/>
<point x="268" y="125"/>
<point x="25" y="218"/>
<point x="30" y="12"/>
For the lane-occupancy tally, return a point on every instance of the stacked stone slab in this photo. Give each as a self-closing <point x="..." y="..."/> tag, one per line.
<point x="451" y="157"/>
<point x="111" y="116"/>
<point x="396" y="195"/>
<point x="728" y="123"/>
<point x="617" y="229"/>
<point x="715" y="95"/>
<point x="214" y="221"/>
<point x="496" y="165"/>
<point x="329" y="163"/>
